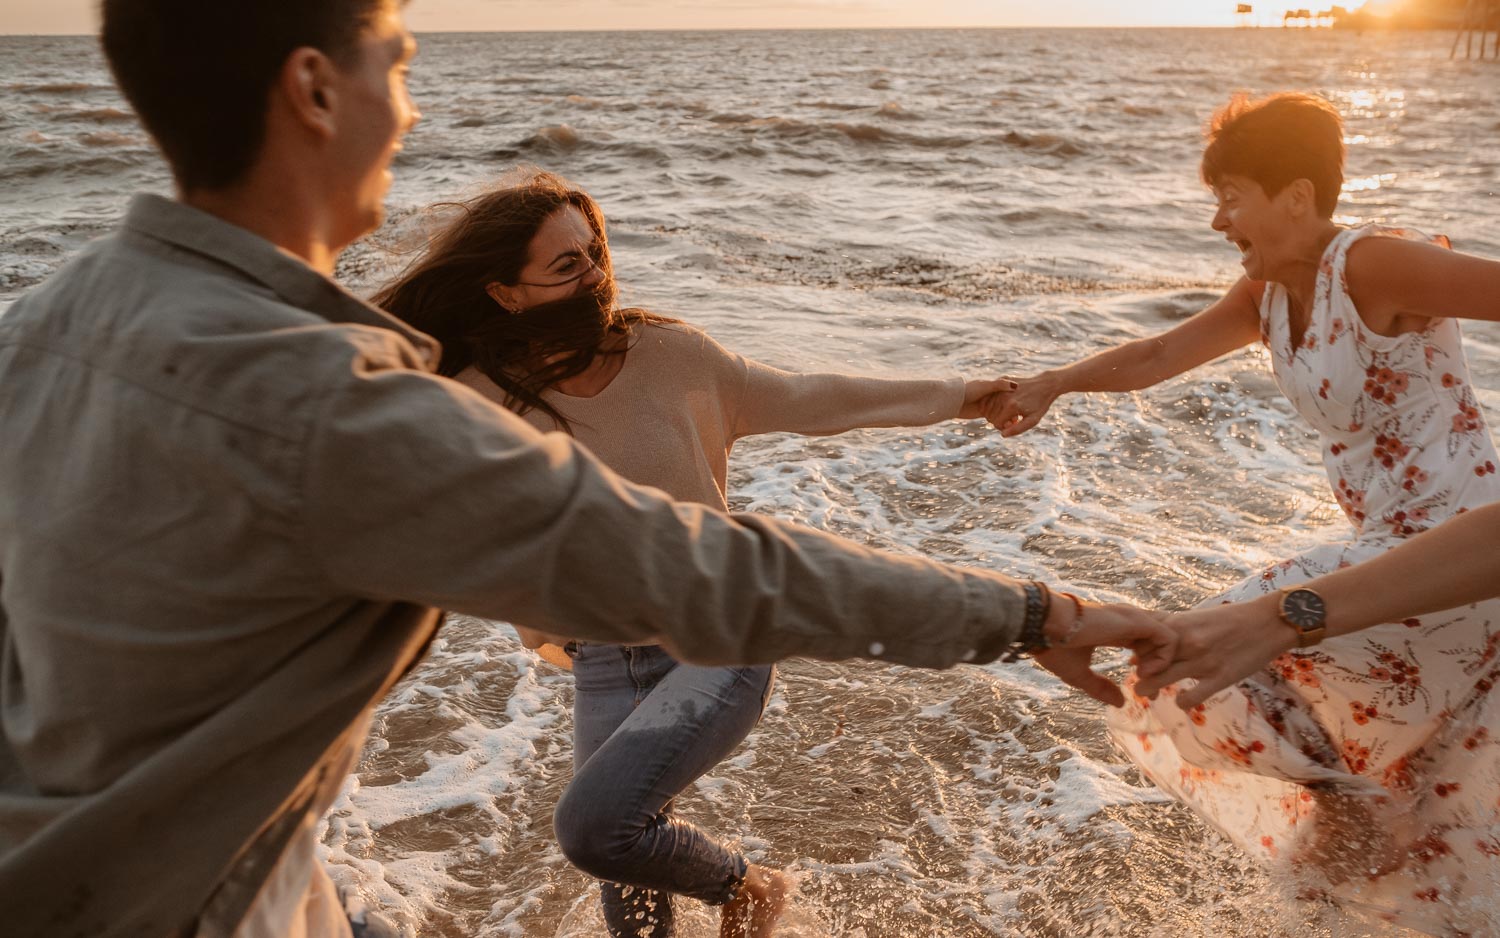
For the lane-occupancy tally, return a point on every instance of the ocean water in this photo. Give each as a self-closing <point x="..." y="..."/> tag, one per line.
<point x="906" y="202"/>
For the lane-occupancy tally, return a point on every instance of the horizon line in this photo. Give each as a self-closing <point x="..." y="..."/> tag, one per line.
<point x="792" y="29"/>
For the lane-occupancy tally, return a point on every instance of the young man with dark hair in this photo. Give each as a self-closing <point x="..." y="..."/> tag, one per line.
<point x="233" y="496"/>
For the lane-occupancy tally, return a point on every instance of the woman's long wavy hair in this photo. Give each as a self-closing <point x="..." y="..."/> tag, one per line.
<point x="444" y="294"/>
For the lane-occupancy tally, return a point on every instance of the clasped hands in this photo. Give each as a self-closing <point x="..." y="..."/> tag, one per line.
<point x="1011" y="405"/>
<point x="1216" y="647"/>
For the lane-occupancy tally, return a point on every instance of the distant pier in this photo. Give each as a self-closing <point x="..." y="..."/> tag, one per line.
<point x="1481" y="18"/>
<point x="1307" y="18"/>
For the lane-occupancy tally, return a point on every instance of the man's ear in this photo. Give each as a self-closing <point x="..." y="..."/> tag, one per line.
<point x="504" y="295"/>
<point x="309" y="91"/>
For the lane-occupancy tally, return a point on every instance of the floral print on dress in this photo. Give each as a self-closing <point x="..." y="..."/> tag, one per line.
<point x="1401" y="713"/>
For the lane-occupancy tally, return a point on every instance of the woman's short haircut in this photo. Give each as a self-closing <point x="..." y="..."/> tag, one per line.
<point x="1277" y="140"/>
<point x="199" y="72"/>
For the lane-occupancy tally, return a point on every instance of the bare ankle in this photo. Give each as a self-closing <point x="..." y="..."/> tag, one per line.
<point x="753" y="911"/>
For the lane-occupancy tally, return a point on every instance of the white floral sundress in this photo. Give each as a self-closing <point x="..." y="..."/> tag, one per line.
<point x="1405" y="712"/>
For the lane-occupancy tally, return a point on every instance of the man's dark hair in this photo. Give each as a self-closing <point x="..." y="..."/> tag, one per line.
<point x="1276" y="141"/>
<point x="199" y="72"/>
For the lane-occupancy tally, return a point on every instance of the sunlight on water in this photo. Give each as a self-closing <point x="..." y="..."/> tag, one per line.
<point x="1368" y="183"/>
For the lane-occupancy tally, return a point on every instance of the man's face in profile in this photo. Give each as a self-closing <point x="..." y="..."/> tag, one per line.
<point x="375" y="112"/>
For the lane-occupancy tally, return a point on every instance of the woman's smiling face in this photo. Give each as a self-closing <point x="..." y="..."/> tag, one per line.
<point x="1257" y="224"/>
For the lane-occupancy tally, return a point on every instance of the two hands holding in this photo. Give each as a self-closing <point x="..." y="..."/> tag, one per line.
<point x="1011" y="405"/>
<point x="1216" y="647"/>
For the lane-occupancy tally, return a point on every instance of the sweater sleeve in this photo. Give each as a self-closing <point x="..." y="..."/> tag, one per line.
<point x="764" y="399"/>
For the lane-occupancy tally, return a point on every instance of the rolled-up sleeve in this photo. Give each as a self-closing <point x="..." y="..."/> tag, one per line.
<point x="419" y="490"/>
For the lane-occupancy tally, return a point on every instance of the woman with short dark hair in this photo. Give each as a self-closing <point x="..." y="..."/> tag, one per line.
<point x="1365" y="757"/>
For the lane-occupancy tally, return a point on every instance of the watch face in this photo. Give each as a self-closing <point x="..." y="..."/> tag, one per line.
<point x="1304" y="609"/>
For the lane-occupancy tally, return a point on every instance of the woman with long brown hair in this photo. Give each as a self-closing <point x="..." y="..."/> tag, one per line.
<point x="519" y="288"/>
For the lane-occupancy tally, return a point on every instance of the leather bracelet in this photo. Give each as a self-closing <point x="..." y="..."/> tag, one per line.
<point x="1031" y="638"/>
<point x="1077" y="625"/>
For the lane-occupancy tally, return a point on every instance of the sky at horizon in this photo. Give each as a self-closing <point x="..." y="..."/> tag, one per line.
<point x="80" y="16"/>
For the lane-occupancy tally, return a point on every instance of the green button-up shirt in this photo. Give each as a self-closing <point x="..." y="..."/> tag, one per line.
<point x="232" y="497"/>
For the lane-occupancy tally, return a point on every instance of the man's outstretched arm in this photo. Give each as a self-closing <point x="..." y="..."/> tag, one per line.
<point x="420" y="490"/>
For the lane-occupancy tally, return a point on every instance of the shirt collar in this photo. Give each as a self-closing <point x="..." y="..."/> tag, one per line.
<point x="198" y="231"/>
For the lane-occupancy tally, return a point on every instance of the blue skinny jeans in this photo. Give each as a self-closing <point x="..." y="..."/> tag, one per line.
<point x="644" y="728"/>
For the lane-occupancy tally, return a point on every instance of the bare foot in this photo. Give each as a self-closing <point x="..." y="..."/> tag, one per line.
<point x="1353" y="836"/>
<point x="753" y="912"/>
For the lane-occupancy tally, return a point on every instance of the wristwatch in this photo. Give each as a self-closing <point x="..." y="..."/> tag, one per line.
<point x="1305" y="611"/>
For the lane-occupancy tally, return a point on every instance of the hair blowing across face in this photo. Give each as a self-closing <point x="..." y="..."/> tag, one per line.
<point x="199" y="72"/>
<point x="444" y="294"/>
<point x="1277" y="140"/>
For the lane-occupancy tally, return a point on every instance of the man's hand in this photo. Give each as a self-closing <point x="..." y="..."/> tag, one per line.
<point x="1118" y="625"/>
<point x="980" y="397"/>
<point x="1218" y="647"/>
<point x="1024" y="407"/>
